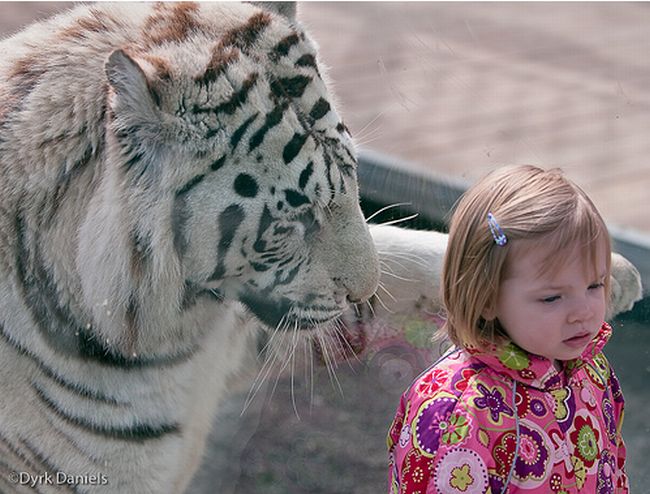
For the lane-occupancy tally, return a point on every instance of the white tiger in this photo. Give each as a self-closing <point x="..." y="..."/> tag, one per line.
<point x="165" y="171"/>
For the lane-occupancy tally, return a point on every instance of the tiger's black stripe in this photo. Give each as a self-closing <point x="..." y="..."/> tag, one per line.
<point x="235" y="101"/>
<point x="229" y="221"/>
<point x="70" y="440"/>
<point x="55" y="323"/>
<point x="320" y="109"/>
<point x="125" y="136"/>
<point x="180" y="216"/>
<point x="245" y="36"/>
<point x="218" y="163"/>
<point x="25" y="75"/>
<point x="181" y="213"/>
<point x="44" y="465"/>
<point x="273" y="118"/>
<point x="293" y="87"/>
<point x="59" y="328"/>
<point x="18" y="452"/>
<point x="132" y="329"/>
<point x="241" y="130"/>
<point x="293" y="147"/>
<point x="328" y="165"/>
<point x="218" y="65"/>
<point x="190" y="185"/>
<point x="138" y="432"/>
<point x="64" y="180"/>
<point x="140" y="252"/>
<point x="308" y="60"/>
<point x="349" y="154"/>
<point x="266" y="220"/>
<point x="98" y="353"/>
<point x="75" y="388"/>
<point x="192" y="293"/>
<point x="213" y="132"/>
<point x="269" y="310"/>
<point x="282" y="279"/>
<point x="282" y="48"/>
<point x="47" y="463"/>
<point x="295" y="198"/>
<point x="345" y="167"/>
<point x="305" y="175"/>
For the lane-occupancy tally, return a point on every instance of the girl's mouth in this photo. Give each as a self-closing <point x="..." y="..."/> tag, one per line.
<point x="578" y="340"/>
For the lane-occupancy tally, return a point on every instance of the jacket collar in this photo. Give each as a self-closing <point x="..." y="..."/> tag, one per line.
<point x="534" y="370"/>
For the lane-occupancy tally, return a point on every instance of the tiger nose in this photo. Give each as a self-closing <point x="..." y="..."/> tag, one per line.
<point x="355" y="291"/>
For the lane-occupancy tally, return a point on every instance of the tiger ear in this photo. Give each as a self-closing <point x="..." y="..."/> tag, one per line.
<point x="285" y="9"/>
<point x="134" y="94"/>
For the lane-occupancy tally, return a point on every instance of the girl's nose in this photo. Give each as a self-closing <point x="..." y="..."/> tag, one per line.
<point x="581" y="311"/>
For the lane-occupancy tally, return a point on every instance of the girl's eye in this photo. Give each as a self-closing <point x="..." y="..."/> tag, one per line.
<point x="596" y="286"/>
<point x="553" y="298"/>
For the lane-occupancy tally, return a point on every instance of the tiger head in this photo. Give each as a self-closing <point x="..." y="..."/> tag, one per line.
<point x="237" y="175"/>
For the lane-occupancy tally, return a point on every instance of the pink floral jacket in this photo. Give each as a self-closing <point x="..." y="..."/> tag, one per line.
<point x="463" y="421"/>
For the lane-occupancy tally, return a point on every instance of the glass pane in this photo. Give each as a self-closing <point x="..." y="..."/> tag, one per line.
<point x="447" y="91"/>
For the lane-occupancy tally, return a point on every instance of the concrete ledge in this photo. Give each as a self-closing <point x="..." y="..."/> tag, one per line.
<point x="388" y="180"/>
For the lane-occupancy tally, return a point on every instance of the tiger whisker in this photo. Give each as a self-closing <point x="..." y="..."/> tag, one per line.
<point x="306" y="342"/>
<point x="363" y="141"/>
<point x="372" y="133"/>
<point x="260" y="380"/>
<point x="310" y="346"/>
<point x="362" y="129"/>
<point x="381" y="286"/>
<point x="393" y="275"/>
<point x="372" y="309"/>
<point x="403" y="256"/>
<point x="267" y="345"/>
<point x="266" y="367"/>
<point x="400" y="220"/>
<point x="387" y="263"/>
<point x="293" y="365"/>
<point x="339" y="329"/>
<point x="381" y="302"/>
<point x="305" y="356"/>
<point x="385" y="208"/>
<point x="386" y="268"/>
<point x="263" y="372"/>
<point x="284" y="365"/>
<point x="282" y="359"/>
<point x="330" y="363"/>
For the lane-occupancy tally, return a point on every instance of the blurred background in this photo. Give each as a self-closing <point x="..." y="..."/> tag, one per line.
<point x="445" y="92"/>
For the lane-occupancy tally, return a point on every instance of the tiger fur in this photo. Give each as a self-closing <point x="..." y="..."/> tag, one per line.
<point x="167" y="170"/>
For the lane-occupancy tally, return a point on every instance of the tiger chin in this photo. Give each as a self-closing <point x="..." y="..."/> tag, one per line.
<point x="170" y="176"/>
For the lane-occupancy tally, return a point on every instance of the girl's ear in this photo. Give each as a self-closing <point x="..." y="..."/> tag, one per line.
<point x="489" y="312"/>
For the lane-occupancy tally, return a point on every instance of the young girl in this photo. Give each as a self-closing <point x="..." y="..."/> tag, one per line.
<point x="525" y="401"/>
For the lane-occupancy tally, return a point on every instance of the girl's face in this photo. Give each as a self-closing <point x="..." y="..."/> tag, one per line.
<point x="553" y="314"/>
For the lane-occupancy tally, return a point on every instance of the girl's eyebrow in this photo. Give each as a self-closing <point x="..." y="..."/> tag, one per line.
<point x="551" y="286"/>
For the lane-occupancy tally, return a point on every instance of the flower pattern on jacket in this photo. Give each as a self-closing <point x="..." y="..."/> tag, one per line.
<point x="482" y="421"/>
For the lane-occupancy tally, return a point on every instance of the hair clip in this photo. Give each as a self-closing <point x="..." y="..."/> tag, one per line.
<point x="497" y="233"/>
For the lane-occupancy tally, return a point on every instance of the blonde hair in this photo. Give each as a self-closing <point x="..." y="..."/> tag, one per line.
<point x="529" y="203"/>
